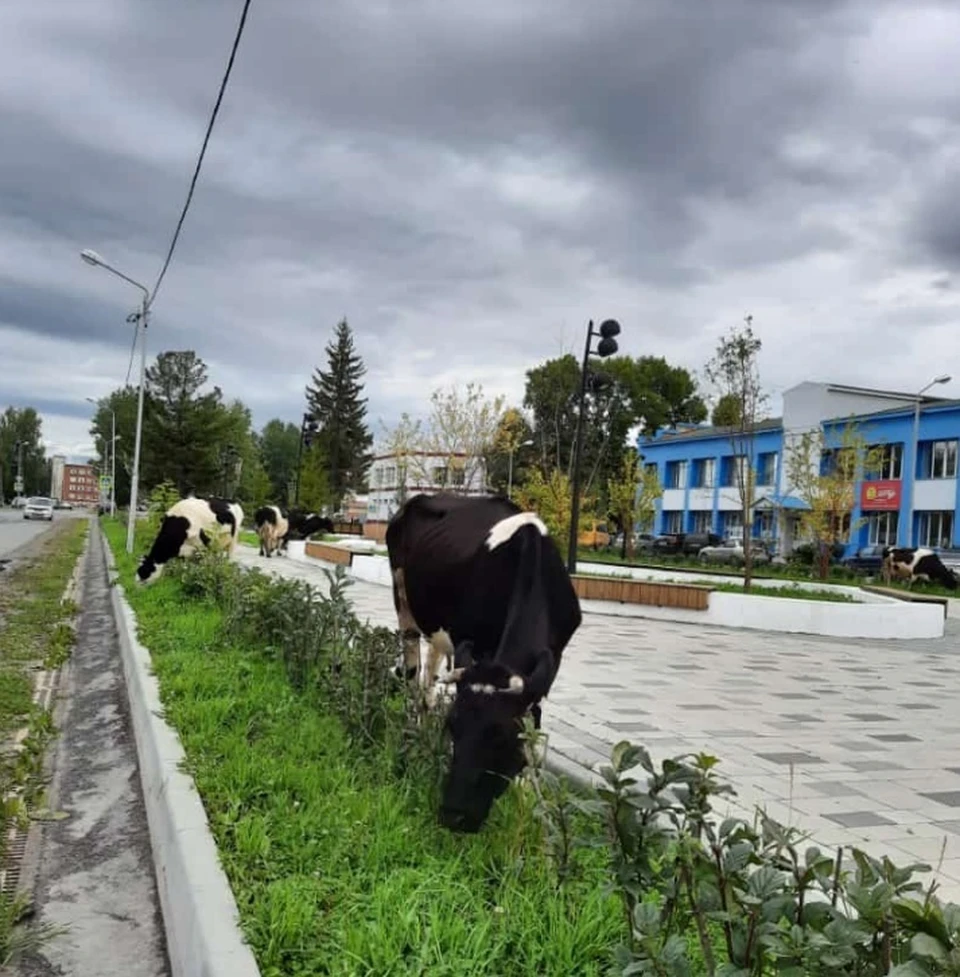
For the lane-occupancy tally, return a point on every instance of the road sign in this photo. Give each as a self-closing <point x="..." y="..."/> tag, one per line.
<point x="18" y="485"/>
<point x="105" y="483"/>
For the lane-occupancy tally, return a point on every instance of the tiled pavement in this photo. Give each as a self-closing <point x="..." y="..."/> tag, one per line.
<point x="856" y="742"/>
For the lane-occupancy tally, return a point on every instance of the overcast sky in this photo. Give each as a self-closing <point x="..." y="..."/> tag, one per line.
<point x="470" y="182"/>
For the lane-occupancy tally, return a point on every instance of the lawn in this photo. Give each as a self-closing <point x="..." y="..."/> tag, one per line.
<point x="338" y="866"/>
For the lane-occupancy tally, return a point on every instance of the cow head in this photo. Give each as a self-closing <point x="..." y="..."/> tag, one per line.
<point x="148" y="571"/>
<point x="484" y="722"/>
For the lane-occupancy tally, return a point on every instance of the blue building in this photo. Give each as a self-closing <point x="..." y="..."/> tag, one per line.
<point x="913" y="500"/>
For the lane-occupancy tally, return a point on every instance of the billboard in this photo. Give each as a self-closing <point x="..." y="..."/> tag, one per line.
<point x="883" y="495"/>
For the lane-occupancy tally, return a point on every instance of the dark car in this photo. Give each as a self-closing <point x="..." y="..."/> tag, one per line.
<point x="867" y="559"/>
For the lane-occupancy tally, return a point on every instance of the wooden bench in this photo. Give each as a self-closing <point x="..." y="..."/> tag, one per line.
<point x="328" y="553"/>
<point x="690" y="597"/>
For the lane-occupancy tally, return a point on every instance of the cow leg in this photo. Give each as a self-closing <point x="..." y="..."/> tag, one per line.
<point x="408" y="628"/>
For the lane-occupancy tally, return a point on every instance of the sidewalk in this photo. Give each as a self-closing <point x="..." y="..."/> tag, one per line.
<point x="855" y="742"/>
<point x="92" y="872"/>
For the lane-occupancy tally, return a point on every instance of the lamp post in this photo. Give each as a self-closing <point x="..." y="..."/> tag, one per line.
<point x="943" y="378"/>
<point x="92" y="258"/>
<point x="309" y="428"/>
<point x="513" y="448"/>
<point x="114" y="438"/>
<point x="607" y="346"/>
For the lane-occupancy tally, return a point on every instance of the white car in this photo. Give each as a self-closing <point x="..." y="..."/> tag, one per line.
<point x="39" y="507"/>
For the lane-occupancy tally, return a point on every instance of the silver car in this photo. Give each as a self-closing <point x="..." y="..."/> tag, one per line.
<point x="39" y="507"/>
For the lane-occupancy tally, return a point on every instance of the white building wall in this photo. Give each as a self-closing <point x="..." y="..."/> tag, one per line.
<point x="936" y="494"/>
<point x="422" y="475"/>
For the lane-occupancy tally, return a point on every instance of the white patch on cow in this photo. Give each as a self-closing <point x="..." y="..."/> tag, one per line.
<point x="503" y="531"/>
<point x="484" y="688"/>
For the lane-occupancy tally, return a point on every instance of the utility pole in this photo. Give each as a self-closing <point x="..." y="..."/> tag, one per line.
<point x="18" y="481"/>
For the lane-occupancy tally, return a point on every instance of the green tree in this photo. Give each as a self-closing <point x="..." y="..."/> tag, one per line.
<point x="23" y="425"/>
<point x="123" y="402"/>
<point x="316" y="493"/>
<point x="830" y="492"/>
<point x="550" y="496"/>
<point x="405" y="443"/>
<point x="335" y="399"/>
<point x="632" y="496"/>
<point x="185" y="427"/>
<point x="279" y="444"/>
<point x="735" y="372"/>
<point x="726" y="411"/>
<point x="512" y="452"/>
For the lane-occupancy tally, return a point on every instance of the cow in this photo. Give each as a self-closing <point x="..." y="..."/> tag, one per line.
<point x="916" y="563"/>
<point x="186" y="526"/>
<point x="302" y="525"/>
<point x="484" y="583"/>
<point x="272" y="528"/>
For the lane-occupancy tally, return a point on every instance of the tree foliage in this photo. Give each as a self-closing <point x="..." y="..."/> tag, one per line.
<point x="335" y="398"/>
<point x="460" y="431"/>
<point x="829" y="491"/>
<point x="735" y="372"/>
<point x="512" y="451"/>
<point x="632" y="496"/>
<point x="549" y="496"/>
<point x="622" y="393"/>
<point x="279" y="444"/>
<point x="316" y="493"/>
<point x="123" y="402"/>
<point x="23" y="424"/>
<point x="726" y="411"/>
<point x="405" y="443"/>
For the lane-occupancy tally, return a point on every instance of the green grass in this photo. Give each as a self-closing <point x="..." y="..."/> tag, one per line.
<point x="249" y="537"/>
<point x="338" y="868"/>
<point x="33" y="633"/>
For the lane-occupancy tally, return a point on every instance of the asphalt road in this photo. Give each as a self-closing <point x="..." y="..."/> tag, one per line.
<point x="15" y="530"/>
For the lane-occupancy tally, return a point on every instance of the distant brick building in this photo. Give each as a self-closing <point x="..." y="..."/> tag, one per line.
<point x="80" y="485"/>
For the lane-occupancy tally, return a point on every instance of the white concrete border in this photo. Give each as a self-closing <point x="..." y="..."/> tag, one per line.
<point x="870" y="616"/>
<point x="200" y="914"/>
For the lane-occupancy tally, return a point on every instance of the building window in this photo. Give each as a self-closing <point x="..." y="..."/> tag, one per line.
<point x="389" y="477"/>
<point x="673" y="521"/>
<point x="439" y="475"/>
<point x="763" y="525"/>
<point x="891" y="460"/>
<point x="733" y="525"/>
<point x="882" y="528"/>
<point x="731" y="469"/>
<point x="704" y="473"/>
<point x="935" y="529"/>
<point x="767" y="468"/>
<point x="676" y="475"/>
<point x="940" y="461"/>
<point x="701" y="522"/>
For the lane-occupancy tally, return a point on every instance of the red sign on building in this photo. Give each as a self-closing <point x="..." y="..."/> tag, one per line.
<point x="882" y="495"/>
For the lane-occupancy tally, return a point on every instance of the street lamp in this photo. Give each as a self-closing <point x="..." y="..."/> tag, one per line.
<point x="607" y="346"/>
<point x="943" y="378"/>
<point x="114" y="438"/>
<point x="309" y="428"/>
<point x="92" y="258"/>
<point x="514" y="447"/>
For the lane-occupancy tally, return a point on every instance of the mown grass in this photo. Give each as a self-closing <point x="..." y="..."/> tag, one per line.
<point x="338" y="866"/>
<point x="33" y="631"/>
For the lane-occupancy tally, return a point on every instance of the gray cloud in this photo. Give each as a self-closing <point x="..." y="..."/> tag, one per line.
<point x="469" y="183"/>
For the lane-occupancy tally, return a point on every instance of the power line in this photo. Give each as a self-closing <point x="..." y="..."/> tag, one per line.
<point x="203" y="149"/>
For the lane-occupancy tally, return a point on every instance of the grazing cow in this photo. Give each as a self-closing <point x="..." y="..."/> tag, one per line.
<point x="272" y="528"/>
<point x="187" y="525"/>
<point x="302" y="525"/>
<point x="485" y="584"/>
<point x="917" y="564"/>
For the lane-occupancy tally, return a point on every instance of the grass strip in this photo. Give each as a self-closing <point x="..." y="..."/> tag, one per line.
<point x="33" y="634"/>
<point x="338" y="867"/>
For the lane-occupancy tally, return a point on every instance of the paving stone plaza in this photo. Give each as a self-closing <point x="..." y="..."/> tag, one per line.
<point x="855" y="742"/>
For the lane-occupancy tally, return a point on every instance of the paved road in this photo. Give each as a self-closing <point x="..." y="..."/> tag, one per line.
<point x="856" y="742"/>
<point x="15" y="530"/>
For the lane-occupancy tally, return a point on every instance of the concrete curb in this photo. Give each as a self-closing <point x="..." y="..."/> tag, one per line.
<point x="200" y="914"/>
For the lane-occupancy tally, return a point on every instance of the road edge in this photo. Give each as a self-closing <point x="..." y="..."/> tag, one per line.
<point x="200" y="915"/>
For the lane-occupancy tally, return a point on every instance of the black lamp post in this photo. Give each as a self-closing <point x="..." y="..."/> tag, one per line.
<point x="309" y="429"/>
<point x="606" y="347"/>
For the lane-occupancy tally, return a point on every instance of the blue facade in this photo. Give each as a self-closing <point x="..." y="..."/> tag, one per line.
<point x="696" y="468"/>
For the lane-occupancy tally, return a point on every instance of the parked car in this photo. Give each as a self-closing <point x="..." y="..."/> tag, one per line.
<point x="731" y="551"/>
<point x="595" y="535"/>
<point x="38" y="507"/>
<point x="867" y="559"/>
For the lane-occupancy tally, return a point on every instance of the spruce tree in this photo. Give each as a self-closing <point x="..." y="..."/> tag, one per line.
<point x="334" y="398"/>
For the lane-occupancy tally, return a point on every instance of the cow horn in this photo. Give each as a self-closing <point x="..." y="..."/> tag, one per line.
<point x="452" y="676"/>
<point x="516" y="685"/>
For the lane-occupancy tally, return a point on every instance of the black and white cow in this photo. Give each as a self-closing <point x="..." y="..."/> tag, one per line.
<point x="186" y="526"/>
<point x="485" y="584"/>
<point x="302" y="525"/>
<point x="272" y="528"/>
<point x="915" y="563"/>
